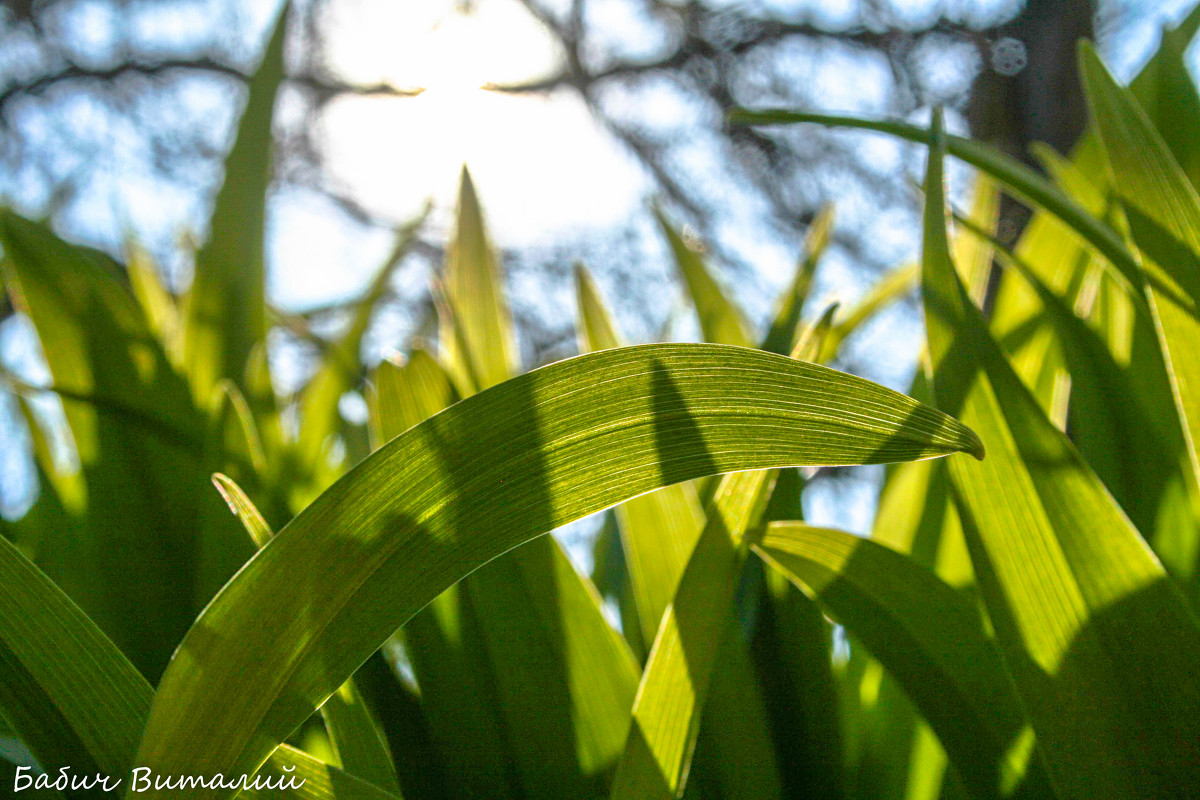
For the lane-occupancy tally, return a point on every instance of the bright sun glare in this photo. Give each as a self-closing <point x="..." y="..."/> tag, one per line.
<point x="453" y="58"/>
<point x="540" y="161"/>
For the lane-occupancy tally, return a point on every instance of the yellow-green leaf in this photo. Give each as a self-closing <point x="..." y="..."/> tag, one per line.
<point x="478" y="479"/>
<point x="1098" y="641"/>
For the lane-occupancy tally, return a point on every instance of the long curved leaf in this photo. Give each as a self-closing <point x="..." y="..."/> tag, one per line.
<point x="463" y="487"/>
<point x="1163" y="211"/>
<point x="46" y="645"/>
<point x="1100" y="644"/>
<point x="541" y="630"/>
<point x="1020" y="179"/>
<point x="907" y="617"/>
<point x="77" y="702"/>
<point x="356" y="738"/>
<point x="658" y="530"/>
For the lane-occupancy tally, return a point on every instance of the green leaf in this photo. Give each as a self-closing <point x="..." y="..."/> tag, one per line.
<point x="157" y="303"/>
<point x="526" y="626"/>
<point x="721" y="321"/>
<point x="65" y="479"/>
<point x="1110" y="420"/>
<point x="595" y="328"/>
<point x="77" y="702"/>
<point x="136" y="434"/>
<point x="224" y="312"/>
<point x="1166" y="91"/>
<point x="356" y="739"/>
<point x="242" y="508"/>
<point x="444" y="642"/>
<point x="67" y="691"/>
<point x="1020" y="180"/>
<point x="792" y="648"/>
<point x="474" y="292"/>
<point x="781" y="337"/>
<point x="895" y="752"/>
<point x="478" y="479"/>
<point x="1163" y="212"/>
<point x="812" y="342"/>
<point x="405" y="394"/>
<point x="666" y="714"/>
<point x="906" y="616"/>
<point x="1100" y="644"/>
<point x="231" y="446"/>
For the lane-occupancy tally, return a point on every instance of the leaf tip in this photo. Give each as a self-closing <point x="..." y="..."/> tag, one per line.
<point x="226" y="487"/>
<point x="974" y="445"/>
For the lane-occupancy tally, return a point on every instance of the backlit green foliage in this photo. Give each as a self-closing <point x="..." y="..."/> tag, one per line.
<point x="383" y="613"/>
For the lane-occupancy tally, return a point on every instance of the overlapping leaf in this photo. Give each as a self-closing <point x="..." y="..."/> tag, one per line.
<point x="78" y="703"/>
<point x="138" y="438"/>
<point x="491" y="472"/>
<point x="1079" y="603"/>
<point x="906" y="616"/>
<point x="527" y="626"/>
<point x="1163" y="211"/>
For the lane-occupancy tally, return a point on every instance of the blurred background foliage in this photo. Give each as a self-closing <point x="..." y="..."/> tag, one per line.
<point x="115" y="117"/>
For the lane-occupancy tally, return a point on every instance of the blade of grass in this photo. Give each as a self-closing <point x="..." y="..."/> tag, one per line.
<point x="893" y="755"/>
<point x="475" y="684"/>
<point x="474" y="291"/>
<point x="667" y="712"/>
<point x="159" y="306"/>
<point x="1166" y="91"/>
<point x="811" y="343"/>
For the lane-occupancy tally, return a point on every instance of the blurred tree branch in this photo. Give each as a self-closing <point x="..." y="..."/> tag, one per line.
<point x="715" y="54"/>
